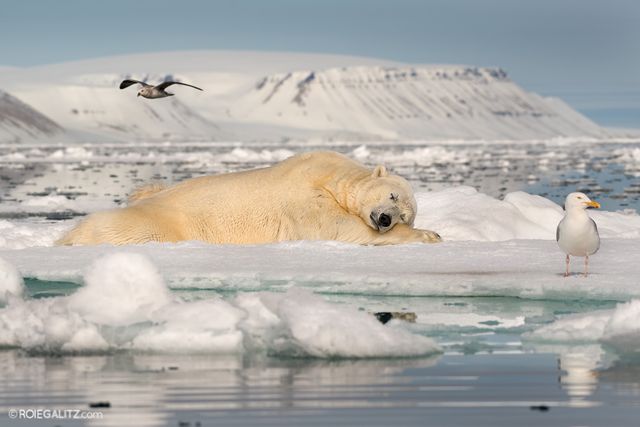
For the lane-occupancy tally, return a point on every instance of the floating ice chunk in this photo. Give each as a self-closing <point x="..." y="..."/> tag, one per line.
<point x="261" y="325"/>
<point x="194" y="327"/>
<point x="309" y="326"/>
<point x="238" y="155"/>
<point x="625" y="319"/>
<point x="424" y="156"/>
<point x="574" y="328"/>
<point x="627" y="155"/>
<point x="622" y="331"/>
<point x="20" y="235"/>
<point x="11" y="283"/>
<point x="125" y="304"/>
<point x="73" y="152"/>
<point x="121" y="289"/>
<point x="86" y="339"/>
<point x="49" y="203"/>
<point x="42" y="325"/>
<point x="619" y="328"/>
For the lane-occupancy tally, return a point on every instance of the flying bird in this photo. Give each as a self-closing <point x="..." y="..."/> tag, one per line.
<point x="151" y="92"/>
<point x="577" y="234"/>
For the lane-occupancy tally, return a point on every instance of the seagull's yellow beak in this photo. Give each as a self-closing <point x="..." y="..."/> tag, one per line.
<point x="592" y="204"/>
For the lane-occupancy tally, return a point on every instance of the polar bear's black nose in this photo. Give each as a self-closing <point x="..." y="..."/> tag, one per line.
<point x="384" y="220"/>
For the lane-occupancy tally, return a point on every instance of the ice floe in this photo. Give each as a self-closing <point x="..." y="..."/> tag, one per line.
<point x="126" y="305"/>
<point x="618" y="328"/>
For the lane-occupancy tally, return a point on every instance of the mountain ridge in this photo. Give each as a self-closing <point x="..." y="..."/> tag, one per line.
<point x="410" y="102"/>
<point x="19" y="121"/>
<point x="262" y="95"/>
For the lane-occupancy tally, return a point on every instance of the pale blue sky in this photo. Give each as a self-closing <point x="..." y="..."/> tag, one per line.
<point x="585" y="51"/>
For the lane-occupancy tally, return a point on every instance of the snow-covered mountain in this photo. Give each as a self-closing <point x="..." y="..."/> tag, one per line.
<point x="260" y="95"/>
<point x="410" y="102"/>
<point x="19" y="122"/>
<point x="94" y="106"/>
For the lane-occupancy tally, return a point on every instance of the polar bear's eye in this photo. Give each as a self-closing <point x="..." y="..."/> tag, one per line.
<point x="394" y="197"/>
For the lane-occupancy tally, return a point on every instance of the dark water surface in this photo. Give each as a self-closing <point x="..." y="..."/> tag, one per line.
<point x="464" y="390"/>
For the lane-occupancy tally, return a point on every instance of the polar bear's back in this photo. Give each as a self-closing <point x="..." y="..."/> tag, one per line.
<point x="297" y="173"/>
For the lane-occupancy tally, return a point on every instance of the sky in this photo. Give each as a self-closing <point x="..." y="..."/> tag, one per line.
<point x="584" y="51"/>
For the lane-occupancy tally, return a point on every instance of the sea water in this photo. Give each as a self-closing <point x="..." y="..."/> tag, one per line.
<point x="231" y="349"/>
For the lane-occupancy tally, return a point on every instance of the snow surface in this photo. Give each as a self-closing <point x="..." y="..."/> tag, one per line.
<point x="126" y="305"/>
<point x="520" y="268"/>
<point x="462" y="213"/>
<point x="492" y="247"/>
<point x="276" y="96"/>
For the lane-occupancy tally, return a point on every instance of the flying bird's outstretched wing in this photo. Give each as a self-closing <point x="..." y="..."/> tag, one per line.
<point x="165" y="85"/>
<point x="126" y="83"/>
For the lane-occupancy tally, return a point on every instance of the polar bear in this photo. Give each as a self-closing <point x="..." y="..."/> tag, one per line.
<point x="311" y="196"/>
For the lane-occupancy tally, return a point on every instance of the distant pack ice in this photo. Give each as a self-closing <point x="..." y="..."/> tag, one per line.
<point x="275" y="96"/>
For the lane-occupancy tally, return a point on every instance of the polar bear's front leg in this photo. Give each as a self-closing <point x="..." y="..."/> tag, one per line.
<point x="355" y="230"/>
<point x="403" y="233"/>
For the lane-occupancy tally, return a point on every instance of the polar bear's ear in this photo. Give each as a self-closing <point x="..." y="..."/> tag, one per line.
<point x="379" y="171"/>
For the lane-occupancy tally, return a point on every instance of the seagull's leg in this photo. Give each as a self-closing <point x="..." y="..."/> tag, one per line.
<point x="566" y="273"/>
<point x="586" y="265"/>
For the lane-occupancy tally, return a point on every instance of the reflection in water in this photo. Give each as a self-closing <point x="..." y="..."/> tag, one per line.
<point x="578" y="368"/>
<point x="155" y="390"/>
<point x="149" y="390"/>
<point x="585" y="371"/>
<point x="625" y="374"/>
<point x="579" y="376"/>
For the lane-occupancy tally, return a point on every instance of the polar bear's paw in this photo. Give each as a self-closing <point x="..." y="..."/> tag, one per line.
<point x="429" y="236"/>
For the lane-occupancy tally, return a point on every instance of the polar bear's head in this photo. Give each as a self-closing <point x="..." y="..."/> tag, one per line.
<point x="386" y="200"/>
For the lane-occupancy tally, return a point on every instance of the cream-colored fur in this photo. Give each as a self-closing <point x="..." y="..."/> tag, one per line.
<point x="144" y="192"/>
<point x="311" y="196"/>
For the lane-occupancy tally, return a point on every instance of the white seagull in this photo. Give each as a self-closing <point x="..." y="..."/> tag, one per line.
<point x="577" y="233"/>
<point x="151" y="92"/>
